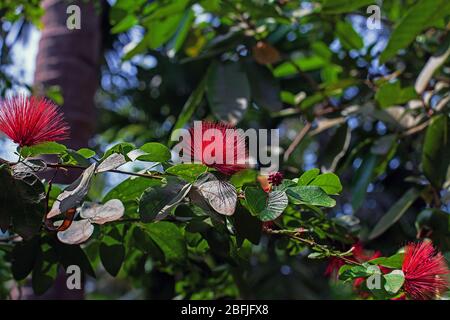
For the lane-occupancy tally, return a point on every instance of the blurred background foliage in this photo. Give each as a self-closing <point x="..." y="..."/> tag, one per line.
<point x="368" y="102"/>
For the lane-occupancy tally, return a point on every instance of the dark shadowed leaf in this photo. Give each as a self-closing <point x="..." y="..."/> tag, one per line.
<point x="22" y="203"/>
<point x="112" y="257"/>
<point x="362" y="179"/>
<point x="247" y="226"/>
<point x="395" y="212"/>
<point x="265" y="88"/>
<point x="157" y="202"/>
<point x="436" y="150"/>
<point x="24" y="256"/>
<point x="228" y="91"/>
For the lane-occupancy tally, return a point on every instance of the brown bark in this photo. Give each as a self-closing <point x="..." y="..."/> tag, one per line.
<point x="70" y="59"/>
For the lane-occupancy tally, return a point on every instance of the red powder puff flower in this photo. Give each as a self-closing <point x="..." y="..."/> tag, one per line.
<point x="219" y="146"/>
<point x="276" y="178"/>
<point x="30" y="121"/>
<point x="425" y="271"/>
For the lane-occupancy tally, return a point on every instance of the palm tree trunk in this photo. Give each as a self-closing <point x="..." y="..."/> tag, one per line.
<point x="70" y="59"/>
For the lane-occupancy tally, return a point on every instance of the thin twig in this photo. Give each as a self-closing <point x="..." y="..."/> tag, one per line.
<point x="302" y="133"/>
<point x="69" y="166"/>
<point x="296" y="236"/>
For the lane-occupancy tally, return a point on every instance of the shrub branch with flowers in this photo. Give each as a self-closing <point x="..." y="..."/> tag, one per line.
<point x="359" y="91"/>
<point x="177" y="214"/>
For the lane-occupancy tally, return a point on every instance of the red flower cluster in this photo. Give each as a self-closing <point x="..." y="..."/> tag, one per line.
<point x="30" y="121"/>
<point x="276" y="178"/>
<point x="425" y="271"/>
<point x="219" y="146"/>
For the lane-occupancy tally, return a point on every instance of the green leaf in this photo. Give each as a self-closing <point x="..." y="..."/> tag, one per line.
<point x="160" y="30"/>
<point x="329" y="182"/>
<point x="394" y="281"/>
<point x="43" y="148"/>
<point x="395" y="213"/>
<point x="159" y="201"/>
<point x="86" y="153"/>
<point x="228" y="91"/>
<point x="129" y="21"/>
<point x="305" y="64"/>
<point x="129" y="192"/>
<point x="267" y="207"/>
<point x="392" y="262"/>
<point x="54" y="93"/>
<point x="142" y="241"/>
<point x="74" y="158"/>
<point x="122" y="148"/>
<point x="155" y="152"/>
<point x="391" y="94"/>
<point x="310" y="195"/>
<point x="348" y="36"/>
<point x="187" y="171"/>
<point x="362" y="179"/>
<point x="416" y="19"/>
<point x="170" y="239"/>
<point x="342" y="6"/>
<point x="308" y="176"/>
<point x="256" y="199"/>
<point x="243" y="177"/>
<point x="349" y="272"/>
<point x="112" y="257"/>
<point x="181" y="34"/>
<point x="436" y="150"/>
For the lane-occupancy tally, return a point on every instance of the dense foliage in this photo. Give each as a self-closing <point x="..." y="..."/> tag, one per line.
<point x="369" y="107"/>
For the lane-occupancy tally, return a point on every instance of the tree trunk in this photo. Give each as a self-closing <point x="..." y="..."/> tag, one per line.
<point x="70" y="59"/>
